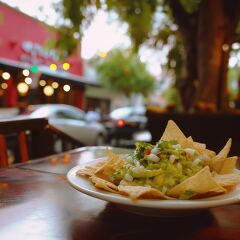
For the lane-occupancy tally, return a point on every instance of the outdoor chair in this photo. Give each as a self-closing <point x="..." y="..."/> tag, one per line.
<point x="30" y="138"/>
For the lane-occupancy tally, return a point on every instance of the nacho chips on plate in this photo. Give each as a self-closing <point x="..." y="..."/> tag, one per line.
<point x="176" y="167"/>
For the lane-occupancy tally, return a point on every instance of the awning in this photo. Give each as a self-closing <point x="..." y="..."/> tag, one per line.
<point x="45" y="72"/>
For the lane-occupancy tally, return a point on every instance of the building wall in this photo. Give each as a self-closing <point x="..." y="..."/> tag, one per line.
<point x="23" y="40"/>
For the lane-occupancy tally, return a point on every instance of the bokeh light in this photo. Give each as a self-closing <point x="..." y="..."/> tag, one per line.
<point x="42" y="83"/>
<point x="34" y="69"/>
<point x="25" y="72"/>
<point x="48" y="90"/>
<point x="102" y="54"/>
<point x="66" y="66"/>
<point x="28" y="80"/>
<point x="66" y="88"/>
<point x="55" y="85"/>
<point x="53" y="67"/>
<point x="6" y="75"/>
<point x="4" y="86"/>
<point x="22" y="88"/>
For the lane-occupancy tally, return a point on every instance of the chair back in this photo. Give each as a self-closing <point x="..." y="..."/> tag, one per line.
<point x="30" y="138"/>
<point x="214" y="129"/>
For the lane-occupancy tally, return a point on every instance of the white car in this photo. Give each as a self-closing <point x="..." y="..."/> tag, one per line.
<point x="72" y="121"/>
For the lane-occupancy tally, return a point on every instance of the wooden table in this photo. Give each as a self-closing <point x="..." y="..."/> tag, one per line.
<point x="37" y="203"/>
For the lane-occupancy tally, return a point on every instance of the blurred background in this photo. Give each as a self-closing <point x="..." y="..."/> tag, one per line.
<point x="95" y="67"/>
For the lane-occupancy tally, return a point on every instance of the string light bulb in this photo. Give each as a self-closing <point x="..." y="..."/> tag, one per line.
<point x="48" y="90"/>
<point x="53" y="67"/>
<point x="28" y="80"/>
<point x="25" y="72"/>
<point x="22" y="88"/>
<point x="55" y="85"/>
<point x="66" y="66"/>
<point x="6" y="75"/>
<point x="66" y="88"/>
<point x="42" y="83"/>
<point x="4" y="86"/>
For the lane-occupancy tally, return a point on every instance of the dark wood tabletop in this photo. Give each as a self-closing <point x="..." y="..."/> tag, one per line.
<point x="36" y="202"/>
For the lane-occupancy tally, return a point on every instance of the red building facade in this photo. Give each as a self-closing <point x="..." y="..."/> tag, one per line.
<point x="23" y="41"/>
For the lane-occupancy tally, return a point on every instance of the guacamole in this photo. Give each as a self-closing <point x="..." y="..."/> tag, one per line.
<point x="161" y="166"/>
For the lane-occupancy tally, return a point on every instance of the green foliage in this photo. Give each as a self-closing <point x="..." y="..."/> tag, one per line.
<point x="122" y="71"/>
<point x="233" y="75"/>
<point x="175" y="58"/>
<point x="190" y="6"/>
<point x="139" y="15"/>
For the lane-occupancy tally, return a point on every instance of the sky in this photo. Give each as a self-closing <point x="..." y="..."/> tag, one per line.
<point x="101" y="36"/>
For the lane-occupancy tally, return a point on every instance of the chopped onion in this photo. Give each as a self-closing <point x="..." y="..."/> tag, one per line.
<point x="138" y="169"/>
<point x="155" y="151"/>
<point x="176" y="146"/>
<point x="128" y="177"/>
<point x="190" y="151"/>
<point x="172" y="158"/>
<point x="153" y="158"/>
<point x="197" y="161"/>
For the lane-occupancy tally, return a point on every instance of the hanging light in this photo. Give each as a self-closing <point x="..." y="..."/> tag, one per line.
<point x="22" y="88"/>
<point x="53" y="67"/>
<point x="55" y="85"/>
<point x="25" y="72"/>
<point x="4" y="86"/>
<point x="48" y="90"/>
<point x="6" y="75"/>
<point x="42" y="83"/>
<point x="66" y="66"/>
<point x="28" y="80"/>
<point x="66" y="88"/>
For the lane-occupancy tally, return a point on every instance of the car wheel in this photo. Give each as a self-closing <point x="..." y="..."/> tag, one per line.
<point x="100" y="140"/>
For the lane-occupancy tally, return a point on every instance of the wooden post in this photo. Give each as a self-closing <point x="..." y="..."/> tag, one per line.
<point x="22" y="139"/>
<point x="3" y="152"/>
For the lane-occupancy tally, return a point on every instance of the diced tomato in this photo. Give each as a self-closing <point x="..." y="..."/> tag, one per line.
<point x="159" y="155"/>
<point x="147" y="151"/>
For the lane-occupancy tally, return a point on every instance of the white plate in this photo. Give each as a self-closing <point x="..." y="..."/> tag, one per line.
<point x="165" y="208"/>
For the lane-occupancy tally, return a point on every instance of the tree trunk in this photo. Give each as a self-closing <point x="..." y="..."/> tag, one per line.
<point x="216" y="33"/>
<point x="210" y="40"/>
<point x="207" y="37"/>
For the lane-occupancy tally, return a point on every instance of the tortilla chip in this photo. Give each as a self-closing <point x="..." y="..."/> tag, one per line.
<point x="190" y="138"/>
<point x="227" y="180"/>
<point x="197" y="144"/>
<point x="173" y="132"/>
<point x="113" y="163"/>
<point x="104" y="184"/>
<point x="217" y="162"/>
<point x="229" y="165"/>
<point x="201" y="148"/>
<point x="201" y="183"/>
<point x="86" y="171"/>
<point x="143" y="192"/>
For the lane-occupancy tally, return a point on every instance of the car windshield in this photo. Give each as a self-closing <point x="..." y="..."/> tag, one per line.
<point x="67" y="112"/>
<point x="120" y="113"/>
<point x="127" y="111"/>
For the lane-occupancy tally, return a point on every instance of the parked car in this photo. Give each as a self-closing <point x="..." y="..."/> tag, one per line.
<point x="72" y="121"/>
<point x="125" y="122"/>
